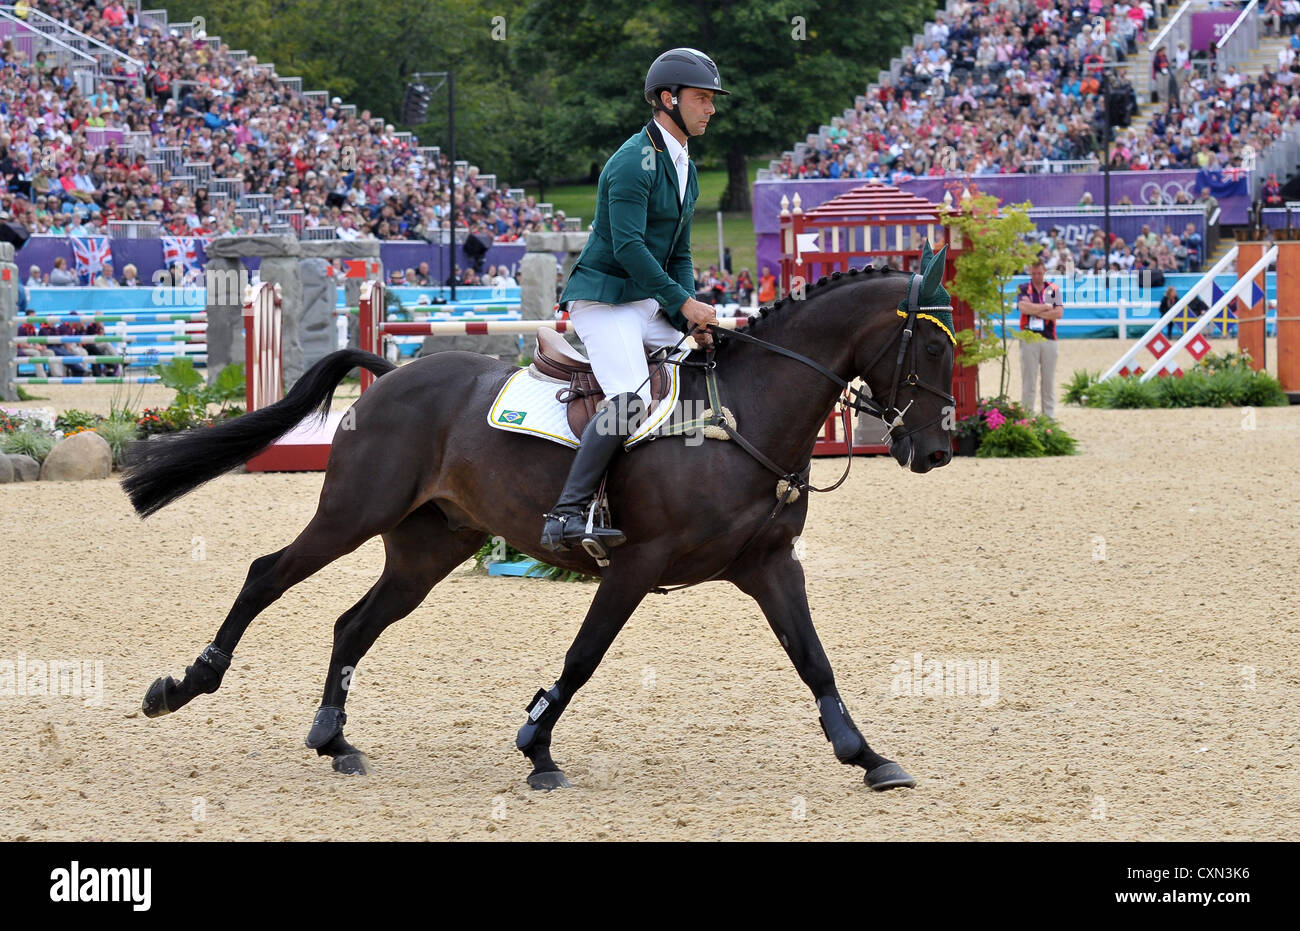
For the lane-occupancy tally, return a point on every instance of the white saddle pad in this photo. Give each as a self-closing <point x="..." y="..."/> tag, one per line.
<point x="527" y="404"/>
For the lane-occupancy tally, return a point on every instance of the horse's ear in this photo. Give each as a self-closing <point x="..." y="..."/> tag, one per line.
<point x="926" y="255"/>
<point x="932" y="271"/>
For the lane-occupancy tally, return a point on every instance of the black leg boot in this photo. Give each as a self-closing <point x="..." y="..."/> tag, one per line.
<point x="566" y="523"/>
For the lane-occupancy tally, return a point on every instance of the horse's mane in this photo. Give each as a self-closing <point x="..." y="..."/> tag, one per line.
<point x="823" y="284"/>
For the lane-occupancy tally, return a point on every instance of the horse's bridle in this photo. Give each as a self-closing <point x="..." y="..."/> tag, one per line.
<point x="852" y="399"/>
<point x="861" y="399"/>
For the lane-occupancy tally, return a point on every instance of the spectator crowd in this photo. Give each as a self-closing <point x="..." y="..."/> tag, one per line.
<point x="997" y="85"/>
<point x="342" y="168"/>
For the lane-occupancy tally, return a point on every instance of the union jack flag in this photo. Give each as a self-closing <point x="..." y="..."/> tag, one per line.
<point x="183" y="249"/>
<point x="89" y="254"/>
<point x="1234" y="173"/>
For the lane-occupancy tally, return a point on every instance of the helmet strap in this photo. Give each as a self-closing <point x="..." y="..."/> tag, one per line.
<point x="675" y="114"/>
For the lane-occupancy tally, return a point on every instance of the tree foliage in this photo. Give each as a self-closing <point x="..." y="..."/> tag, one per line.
<point x="994" y="251"/>
<point x="547" y="89"/>
<point x="790" y="66"/>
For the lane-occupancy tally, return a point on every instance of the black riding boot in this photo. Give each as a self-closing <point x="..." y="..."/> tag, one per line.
<point x="566" y="523"/>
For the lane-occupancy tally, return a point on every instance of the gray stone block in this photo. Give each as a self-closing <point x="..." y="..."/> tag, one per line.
<point x="7" y="471"/>
<point x="537" y="286"/>
<point x="574" y="242"/>
<point x="317" y="333"/>
<point x="225" y="307"/>
<point x="340" y="248"/>
<point x="566" y="267"/>
<point x="241" y="247"/>
<point x="544" y="242"/>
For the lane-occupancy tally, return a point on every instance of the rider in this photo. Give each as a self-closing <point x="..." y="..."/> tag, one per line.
<point x="633" y="286"/>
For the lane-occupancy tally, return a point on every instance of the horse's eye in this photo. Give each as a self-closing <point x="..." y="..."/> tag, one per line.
<point x="934" y="349"/>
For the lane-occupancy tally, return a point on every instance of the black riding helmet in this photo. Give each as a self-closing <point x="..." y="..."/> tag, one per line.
<point x="678" y="68"/>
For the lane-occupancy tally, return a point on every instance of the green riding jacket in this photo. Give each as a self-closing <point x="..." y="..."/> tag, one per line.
<point x="640" y="242"/>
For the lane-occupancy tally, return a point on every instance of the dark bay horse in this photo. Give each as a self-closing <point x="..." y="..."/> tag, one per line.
<point x="423" y="469"/>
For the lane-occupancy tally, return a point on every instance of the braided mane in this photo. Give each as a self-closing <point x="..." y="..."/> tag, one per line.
<point x="823" y="284"/>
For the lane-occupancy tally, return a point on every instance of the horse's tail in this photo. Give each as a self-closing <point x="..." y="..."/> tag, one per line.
<point x="164" y="468"/>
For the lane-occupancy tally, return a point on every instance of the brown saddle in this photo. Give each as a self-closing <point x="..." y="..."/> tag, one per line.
<point x="556" y="358"/>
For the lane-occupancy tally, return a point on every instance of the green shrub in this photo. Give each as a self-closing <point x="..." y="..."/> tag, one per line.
<point x="1124" y="392"/>
<point x="1264" y="391"/>
<point x="118" y="434"/>
<point x="28" y="442"/>
<point x="70" y="420"/>
<point x="1076" y="391"/>
<point x="1230" y="383"/>
<point x="1054" y="439"/>
<point x="1011" y="439"/>
<point x="1225" y="387"/>
<point x="1188" y="391"/>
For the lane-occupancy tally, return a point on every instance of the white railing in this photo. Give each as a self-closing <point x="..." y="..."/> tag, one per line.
<point x="1178" y="28"/>
<point x="1202" y="286"/>
<point x="1063" y="166"/>
<point x="134" y="229"/>
<point x="152" y="19"/>
<point x="64" y="55"/>
<point x="105" y="54"/>
<point x="1239" y="41"/>
<point x="1244" y="282"/>
<point x="1191" y="210"/>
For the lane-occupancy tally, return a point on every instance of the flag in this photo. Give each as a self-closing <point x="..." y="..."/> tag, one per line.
<point x="89" y="253"/>
<point x="1231" y="182"/>
<point x="183" y="249"/>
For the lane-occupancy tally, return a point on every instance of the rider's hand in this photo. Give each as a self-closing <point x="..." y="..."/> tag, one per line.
<point x="699" y="313"/>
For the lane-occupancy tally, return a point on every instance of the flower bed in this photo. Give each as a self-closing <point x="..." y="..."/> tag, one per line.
<point x="1002" y="428"/>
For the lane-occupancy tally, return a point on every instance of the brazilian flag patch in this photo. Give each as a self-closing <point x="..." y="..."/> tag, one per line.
<point x="512" y="417"/>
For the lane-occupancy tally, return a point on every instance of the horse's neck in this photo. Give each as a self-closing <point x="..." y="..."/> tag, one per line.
<point x="781" y="403"/>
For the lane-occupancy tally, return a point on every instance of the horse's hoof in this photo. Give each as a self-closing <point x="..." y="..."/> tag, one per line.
<point x="352" y="764"/>
<point x="547" y="781"/>
<point x="888" y="776"/>
<point x="155" y="699"/>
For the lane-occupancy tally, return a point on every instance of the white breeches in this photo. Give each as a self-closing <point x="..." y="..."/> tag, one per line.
<point x="617" y="337"/>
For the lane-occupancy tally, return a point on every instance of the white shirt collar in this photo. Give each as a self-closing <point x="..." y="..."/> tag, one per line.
<point x="672" y="146"/>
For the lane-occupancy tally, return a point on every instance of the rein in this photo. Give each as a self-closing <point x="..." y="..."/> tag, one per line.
<point x="852" y="399"/>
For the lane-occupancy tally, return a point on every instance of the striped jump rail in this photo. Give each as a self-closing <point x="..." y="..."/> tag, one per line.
<point x="373" y="328"/>
<point x="436" y="308"/>
<point x="199" y="316"/>
<point x="487" y="327"/>
<point x="89" y="380"/>
<point x="113" y="338"/>
<point x="100" y="360"/>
